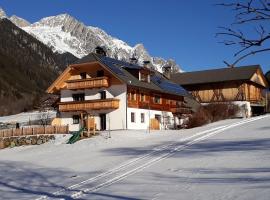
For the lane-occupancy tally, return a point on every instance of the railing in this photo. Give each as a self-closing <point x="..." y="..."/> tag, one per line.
<point x="181" y="110"/>
<point x="88" y="83"/>
<point x="39" y="130"/>
<point x="89" y="105"/>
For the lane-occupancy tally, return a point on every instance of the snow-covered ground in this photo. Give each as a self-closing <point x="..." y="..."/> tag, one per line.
<point x="26" y="117"/>
<point x="224" y="160"/>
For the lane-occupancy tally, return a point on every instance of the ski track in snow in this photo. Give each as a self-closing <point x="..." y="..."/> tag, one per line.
<point x="138" y="164"/>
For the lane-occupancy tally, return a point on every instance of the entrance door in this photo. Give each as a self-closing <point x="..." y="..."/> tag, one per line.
<point x="102" y="94"/>
<point x="102" y="121"/>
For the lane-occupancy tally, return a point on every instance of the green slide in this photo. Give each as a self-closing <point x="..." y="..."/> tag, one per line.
<point x="76" y="136"/>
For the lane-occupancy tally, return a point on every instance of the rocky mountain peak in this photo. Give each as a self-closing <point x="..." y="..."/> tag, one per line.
<point x="2" y="13"/>
<point x="20" y="22"/>
<point x="63" y="33"/>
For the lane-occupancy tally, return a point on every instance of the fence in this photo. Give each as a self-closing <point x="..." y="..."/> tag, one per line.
<point x="37" y="130"/>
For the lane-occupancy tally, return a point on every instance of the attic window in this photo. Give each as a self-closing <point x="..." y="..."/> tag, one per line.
<point x="145" y="77"/>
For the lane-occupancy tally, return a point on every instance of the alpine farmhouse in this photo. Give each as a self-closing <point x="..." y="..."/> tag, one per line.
<point x="102" y="93"/>
<point x="243" y="86"/>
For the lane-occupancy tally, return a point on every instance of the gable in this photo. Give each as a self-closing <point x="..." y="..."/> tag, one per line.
<point x="72" y="72"/>
<point x="259" y="78"/>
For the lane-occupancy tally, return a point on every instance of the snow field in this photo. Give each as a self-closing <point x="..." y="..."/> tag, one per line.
<point x="138" y="164"/>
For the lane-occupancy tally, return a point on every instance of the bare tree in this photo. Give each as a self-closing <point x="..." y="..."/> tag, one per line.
<point x="248" y="13"/>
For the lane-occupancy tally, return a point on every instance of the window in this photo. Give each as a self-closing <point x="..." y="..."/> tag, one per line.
<point x="157" y="99"/>
<point x="100" y="73"/>
<point x="76" y="119"/>
<point x="83" y="75"/>
<point x="144" y="77"/>
<point x="102" y="94"/>
<point x="158" y="117"/>
<point x="133" y="117"/>
<point x="78" y="97"/>
<point x="142" y="97"/>
<point x="133" y="96"/>
<point x="142" y="117"/>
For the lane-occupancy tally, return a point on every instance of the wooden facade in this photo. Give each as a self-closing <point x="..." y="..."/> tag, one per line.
<point x="225" y="85"/>
<point x="226" y="91"/>
<point x="88" y="83"/>
<point x="98" y="104"/>
<point x="145" y="99"/>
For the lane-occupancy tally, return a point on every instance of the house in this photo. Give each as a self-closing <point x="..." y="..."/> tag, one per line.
<point x="107" y="94"/>
<point x="241" y="85"/>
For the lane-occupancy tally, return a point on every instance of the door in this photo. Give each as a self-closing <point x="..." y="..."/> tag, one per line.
<point x="102" y="121"/>
<point x="102" y="94"/>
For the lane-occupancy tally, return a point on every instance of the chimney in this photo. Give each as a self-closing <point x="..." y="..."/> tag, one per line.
<point x="133" y="60"/>
<point x="167" y="70"/>
<point x="146" y="63"/>
<point x="100" y="50"/>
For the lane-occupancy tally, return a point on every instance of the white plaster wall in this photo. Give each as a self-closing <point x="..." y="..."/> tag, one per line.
<point x="138" y="125"/>
<point x="66" y="119"/>
<point x="90" y="94"/>
<point x="115" y="119"/>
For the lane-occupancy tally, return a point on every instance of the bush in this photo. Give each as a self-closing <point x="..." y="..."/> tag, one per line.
<point x="201" y="117"/>
<point x="212" y="113"/>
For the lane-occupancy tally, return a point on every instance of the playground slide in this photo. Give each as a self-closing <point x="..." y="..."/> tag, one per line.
<point x="76" y="136"/>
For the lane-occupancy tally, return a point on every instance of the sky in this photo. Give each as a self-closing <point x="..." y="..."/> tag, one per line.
<point x="183" y="30"/>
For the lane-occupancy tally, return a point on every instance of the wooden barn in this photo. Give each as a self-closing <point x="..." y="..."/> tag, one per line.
<point x="243" y="86"/>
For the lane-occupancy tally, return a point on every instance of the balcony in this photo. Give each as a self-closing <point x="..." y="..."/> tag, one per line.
<point x="98" y="104"/>
<point x="88" y="83"/>
<point x="181" y="110"/>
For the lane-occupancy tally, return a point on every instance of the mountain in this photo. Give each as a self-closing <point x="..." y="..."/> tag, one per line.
<point x="63" y="33"/>
<point x="19" y="21"/>
<point x="27" y="68"/>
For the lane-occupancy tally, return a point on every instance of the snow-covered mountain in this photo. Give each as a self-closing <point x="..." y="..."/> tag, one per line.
<point x="63" y="33"/>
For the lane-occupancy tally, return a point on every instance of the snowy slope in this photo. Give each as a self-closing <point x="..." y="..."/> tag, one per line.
<point x="207" y="163"/>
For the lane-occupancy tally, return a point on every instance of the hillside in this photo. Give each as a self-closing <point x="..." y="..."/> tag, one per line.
<point x="27" y="67"/>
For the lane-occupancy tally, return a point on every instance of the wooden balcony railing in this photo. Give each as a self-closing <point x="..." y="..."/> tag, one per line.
<point x="181" y="110"/>
<point x="88" y="83"/>
<point x="98" y="104"/>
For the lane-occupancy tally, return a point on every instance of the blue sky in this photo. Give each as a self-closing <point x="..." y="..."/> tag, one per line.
<point x="178" y="29"/>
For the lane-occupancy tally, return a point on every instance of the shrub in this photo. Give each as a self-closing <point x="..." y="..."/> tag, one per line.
<point x="201" y="117"/>
<point x="212" y="113"/>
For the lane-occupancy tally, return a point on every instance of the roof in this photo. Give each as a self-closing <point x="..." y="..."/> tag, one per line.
<point x="120" y="70"/>
<point x="216" y="75"/>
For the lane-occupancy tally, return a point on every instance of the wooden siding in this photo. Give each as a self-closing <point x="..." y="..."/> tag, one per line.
<point x="89" y="105"/>
<point x="88" y="83"/>
<point x="167" y="102"/>
<point x="223" y="92"/>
